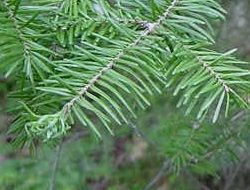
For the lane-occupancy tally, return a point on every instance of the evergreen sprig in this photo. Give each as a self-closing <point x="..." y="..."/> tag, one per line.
<point x="83" y="59"/>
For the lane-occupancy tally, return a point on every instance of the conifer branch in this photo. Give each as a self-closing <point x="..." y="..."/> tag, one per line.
<point x="17" y="28"/>
<point x="210" y="70"/>
<point x="150" y="28"/>
<point x="216" y="75"/>
<point x="65" y="26"/>
<point x="110" y="53"/>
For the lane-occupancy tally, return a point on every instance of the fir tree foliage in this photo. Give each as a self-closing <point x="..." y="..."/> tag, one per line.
<point x="84" y="59"/>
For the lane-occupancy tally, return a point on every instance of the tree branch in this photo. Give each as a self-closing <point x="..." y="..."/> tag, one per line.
<point x="150" y="28"/>
<point x="210" y="70"/>
<point x="17" y="27"/>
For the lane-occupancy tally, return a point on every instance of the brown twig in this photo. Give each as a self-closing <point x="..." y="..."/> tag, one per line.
<point x="55" y="166"/>
<point x="158" y="175"/>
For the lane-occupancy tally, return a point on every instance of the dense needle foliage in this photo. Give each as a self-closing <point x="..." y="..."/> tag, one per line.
<point x="98" y="62"/>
